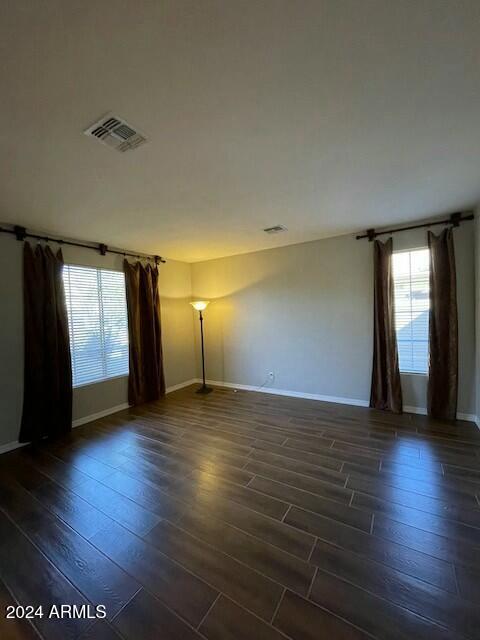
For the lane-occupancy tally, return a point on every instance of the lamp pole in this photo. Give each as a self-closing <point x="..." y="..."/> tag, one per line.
<point x="203" y="389"/>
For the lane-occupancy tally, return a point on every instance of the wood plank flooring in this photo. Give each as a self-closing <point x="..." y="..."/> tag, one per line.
<point x="246" y="516"/>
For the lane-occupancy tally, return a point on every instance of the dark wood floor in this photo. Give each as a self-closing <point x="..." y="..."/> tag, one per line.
<point x="246" y="516"/>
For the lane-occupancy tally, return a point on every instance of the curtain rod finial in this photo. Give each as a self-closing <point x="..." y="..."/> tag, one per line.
<point x="20" y="232"/>
<point x="456" y="218"/>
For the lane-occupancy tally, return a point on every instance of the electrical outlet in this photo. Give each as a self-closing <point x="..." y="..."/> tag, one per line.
<point x="271" y="375"/>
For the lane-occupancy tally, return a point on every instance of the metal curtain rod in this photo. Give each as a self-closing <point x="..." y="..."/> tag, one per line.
<point x="455" y="220"/>
<point x="21" y="233"/>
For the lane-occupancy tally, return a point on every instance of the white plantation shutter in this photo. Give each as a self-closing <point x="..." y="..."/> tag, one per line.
<point x="97" y="323"/>
<point x="412" y="303"/>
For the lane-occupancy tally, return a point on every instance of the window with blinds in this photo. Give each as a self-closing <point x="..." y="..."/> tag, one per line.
<point x="412" y="303"/>
<point x="97" y="323"/>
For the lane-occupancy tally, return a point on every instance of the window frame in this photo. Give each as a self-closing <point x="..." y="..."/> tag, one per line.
<point x="69" y="313"/>
<point x="423" y="374"/>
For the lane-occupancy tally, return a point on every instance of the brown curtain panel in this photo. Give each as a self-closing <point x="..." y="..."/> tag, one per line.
<point x="386" y="391"/>
<point x="47" y="397"/>
<point x="443" y="329"/>
<point x="146" y="380"/>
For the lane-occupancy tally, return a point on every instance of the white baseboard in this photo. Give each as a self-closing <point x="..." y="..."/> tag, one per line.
<point x="100" y="414"/>
<point x="469" y="417"/>
<point x="124" y="405"/>
<point x="335" y="399"/>
<point x="176" y="387"/>
<point x="292" y="394"/>
<point x="422" y="411"/>
<point x="10" y="446"/>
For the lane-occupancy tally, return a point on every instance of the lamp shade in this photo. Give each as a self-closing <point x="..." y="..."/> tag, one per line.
<point x="200" y="305"/>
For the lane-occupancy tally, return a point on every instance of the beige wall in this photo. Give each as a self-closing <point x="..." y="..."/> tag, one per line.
<point x="305" y="313"/>
<point x="477" y="313"/>
<point x="178" y="344"/>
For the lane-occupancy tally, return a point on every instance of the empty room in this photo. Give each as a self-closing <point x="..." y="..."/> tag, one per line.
<point x="239" y="320"/>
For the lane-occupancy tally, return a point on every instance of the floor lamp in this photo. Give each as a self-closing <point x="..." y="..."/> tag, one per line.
<point x="201" y="305"/>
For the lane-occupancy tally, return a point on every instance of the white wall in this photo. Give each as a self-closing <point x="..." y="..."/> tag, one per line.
<point x="305" y="312"/>
<point x="178" y="343"/>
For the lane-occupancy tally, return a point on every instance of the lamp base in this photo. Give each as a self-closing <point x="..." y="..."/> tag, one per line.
<point x="204" y="389"/>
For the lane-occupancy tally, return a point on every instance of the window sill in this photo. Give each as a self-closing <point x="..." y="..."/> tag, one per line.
<point x="95" y="382"/>
<point x="414" y="373"/>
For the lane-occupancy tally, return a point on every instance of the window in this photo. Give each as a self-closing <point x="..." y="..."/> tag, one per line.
<point x="412" y="303"/>
<point x="97" y="323"/>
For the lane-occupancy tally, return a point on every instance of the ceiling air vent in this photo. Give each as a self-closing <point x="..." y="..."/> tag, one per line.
<point x="278" y="228"/>
<point x="116" y="133"/>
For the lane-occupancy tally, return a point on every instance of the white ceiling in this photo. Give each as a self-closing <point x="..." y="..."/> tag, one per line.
<point x="324" y="116"/>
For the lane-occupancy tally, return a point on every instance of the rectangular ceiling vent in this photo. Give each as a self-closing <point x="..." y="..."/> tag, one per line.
<point x="116" y="133"/>
<point x="278" y="228"/>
